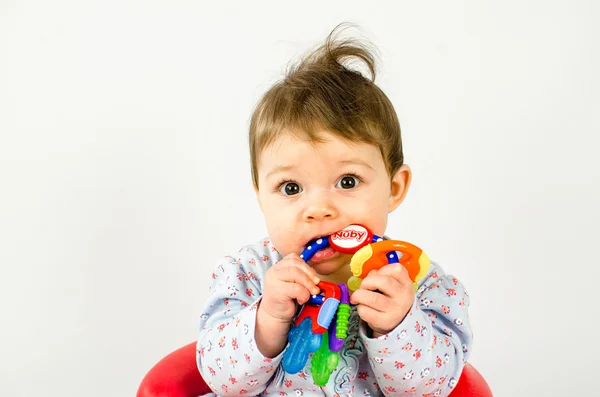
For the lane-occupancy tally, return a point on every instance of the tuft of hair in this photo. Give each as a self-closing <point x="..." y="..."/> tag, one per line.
<point x="323" y="93"/>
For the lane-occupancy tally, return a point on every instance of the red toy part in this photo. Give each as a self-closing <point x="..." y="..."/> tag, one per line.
<point x="309" y="309"/>
<point x="176" y="375"/>
<point x="350" y="239"/>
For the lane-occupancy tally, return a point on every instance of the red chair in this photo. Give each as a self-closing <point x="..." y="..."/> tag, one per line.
<point x="176" y="375"/>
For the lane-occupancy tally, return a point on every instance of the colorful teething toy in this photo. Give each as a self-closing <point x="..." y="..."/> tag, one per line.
<point x="373" y="255"/>
<point x="321" y="324"/>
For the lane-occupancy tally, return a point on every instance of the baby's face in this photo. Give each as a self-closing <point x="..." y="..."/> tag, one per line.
<point x="309" y="190"/>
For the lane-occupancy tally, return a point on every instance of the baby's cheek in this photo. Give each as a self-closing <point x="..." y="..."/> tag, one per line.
<point x="283" y="245"/>
<point x="377" y="222"/>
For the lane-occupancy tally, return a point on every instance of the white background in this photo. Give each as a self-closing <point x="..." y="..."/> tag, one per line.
<point x="124" y="174"/>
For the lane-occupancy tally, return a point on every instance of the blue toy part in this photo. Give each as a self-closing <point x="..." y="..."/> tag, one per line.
<point x="317" y="299"/>
<point x="302" y="342"/>
<point x="392" y="257"/>
<point x="313" y="247"/>
<point x="327" y="312"/>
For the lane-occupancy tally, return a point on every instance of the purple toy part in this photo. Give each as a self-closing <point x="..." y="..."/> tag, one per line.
<point x="345" y="294"/>
<point x="335" y="343"/>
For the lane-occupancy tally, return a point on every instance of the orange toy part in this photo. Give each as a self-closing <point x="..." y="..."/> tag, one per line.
<point x="374" y="256"/>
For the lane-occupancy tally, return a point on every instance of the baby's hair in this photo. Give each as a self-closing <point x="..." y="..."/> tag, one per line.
<point x="322" y="93"/>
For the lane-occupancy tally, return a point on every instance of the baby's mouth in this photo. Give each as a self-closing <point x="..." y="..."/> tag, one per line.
<point x="347" y="240"/>
<point x="323" y="254"/>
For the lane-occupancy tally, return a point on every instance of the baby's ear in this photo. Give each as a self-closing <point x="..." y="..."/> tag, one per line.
<point x="399" y="187"/>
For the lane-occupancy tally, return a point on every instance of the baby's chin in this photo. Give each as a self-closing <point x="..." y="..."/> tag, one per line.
<point x="337" y="264"/>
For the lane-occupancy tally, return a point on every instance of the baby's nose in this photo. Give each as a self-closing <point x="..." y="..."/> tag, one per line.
<point x="318" y="213"/>
<point x="319" y="208"/>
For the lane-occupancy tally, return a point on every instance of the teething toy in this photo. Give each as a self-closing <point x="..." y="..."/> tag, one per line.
<point x="371" y="257"/>
<point x="321" y="325"/>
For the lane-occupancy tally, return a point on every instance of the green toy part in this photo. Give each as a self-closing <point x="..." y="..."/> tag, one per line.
<point x="323" y="362"/>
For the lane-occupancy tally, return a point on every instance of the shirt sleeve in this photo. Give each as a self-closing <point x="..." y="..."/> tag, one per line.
<point x="227" y="356"/>
<point x="426" y="353"/>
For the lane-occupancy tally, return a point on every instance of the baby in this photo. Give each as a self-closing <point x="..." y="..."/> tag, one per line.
<point x="326" y="152"/>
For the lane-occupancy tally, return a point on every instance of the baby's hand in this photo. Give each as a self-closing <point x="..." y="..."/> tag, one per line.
<point x="289" y="281"/>
<point x="384" y="310"/>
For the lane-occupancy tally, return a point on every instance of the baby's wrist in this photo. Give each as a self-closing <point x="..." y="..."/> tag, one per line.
<point x="264" y="316"/>
<point x="270" y="333"/>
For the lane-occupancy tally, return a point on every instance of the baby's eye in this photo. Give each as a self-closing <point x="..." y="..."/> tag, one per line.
<point x="348" y="182"/>
<point x="290" y="188"/>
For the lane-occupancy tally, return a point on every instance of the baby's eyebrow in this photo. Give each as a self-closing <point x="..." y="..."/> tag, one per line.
<point x="356" y="161"/>
<point x="288" y="167"/>
<point x="280" y="168"/>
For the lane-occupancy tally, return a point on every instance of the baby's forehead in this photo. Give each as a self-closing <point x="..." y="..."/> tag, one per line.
<point x="288" y="153"/>
<point x="326" y="144"/>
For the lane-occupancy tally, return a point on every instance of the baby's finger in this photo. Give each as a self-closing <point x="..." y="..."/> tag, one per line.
<point x="372" y="316"/>
<point x="295" y="260"/>
<point x="296" y="291"/>
<point x="396" y="271"/>
<point x="294" y="274"/>
<point x="374" y="300"/>
<point x="378" y="321"/>
<point x="387" y="285"/>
